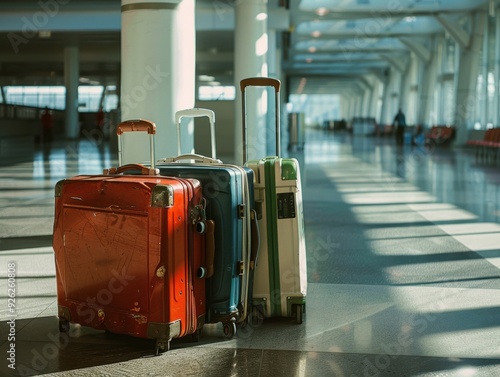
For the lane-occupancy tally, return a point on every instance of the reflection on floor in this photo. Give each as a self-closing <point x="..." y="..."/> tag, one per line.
<point x="403" y="269"/>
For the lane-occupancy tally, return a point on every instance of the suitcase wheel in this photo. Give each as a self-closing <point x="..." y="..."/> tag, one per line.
<point x="299" y="313"/>
<point x="63" y="325"/>
<point x="195" y="337"/>
<point x="162" y="345"/>
<point x="257" y="315"/>
<point x="229" y="330"/>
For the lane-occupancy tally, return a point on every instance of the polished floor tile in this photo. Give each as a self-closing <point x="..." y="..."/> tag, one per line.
<point x="403" y="270"/>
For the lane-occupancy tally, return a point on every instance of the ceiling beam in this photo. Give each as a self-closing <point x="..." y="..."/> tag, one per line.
<point x="397" y="62"/>
<point x="357" y="36"/>
<point x="417" y="47"/>
<point x="339" y="14"/>
<point x="459" y="35"/>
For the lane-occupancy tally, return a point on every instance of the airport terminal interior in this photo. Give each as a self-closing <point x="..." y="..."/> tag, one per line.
<point x="402" y="239"/>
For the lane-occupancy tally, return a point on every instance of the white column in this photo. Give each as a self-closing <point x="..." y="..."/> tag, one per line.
<point x="391" y="96"/>
<point x="71" y="77"/>
<point x="484" y="65"/>
<point x="359" y="102"/>
<point x="183" y="90"/>
<point x="406" y="102"/>
<point x="251" y="47"/>
<point x="158" y="68"/>
<point x="442" y="53"/>
<point x="367" y="100"/>
<point x="429" y="74"/>
<point x="374" y="108"/>
<point x="496" y="108"/>
<point x="413" y="102"/>
<point x="385" y="108"/>
<point x="467" y="79"/>
<point x="344" y="108"/>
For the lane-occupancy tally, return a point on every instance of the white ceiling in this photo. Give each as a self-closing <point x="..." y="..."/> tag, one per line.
<point x="333" y="44"/>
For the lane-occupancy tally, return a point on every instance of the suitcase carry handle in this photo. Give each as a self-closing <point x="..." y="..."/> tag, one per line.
<point x="196" y="157"/>
<point x="210" y="248"/>
<point x="136" y="125"/>
<point x="260" y="81"/>
<point x="196" y="112"/>
<point x="122" y="169"/>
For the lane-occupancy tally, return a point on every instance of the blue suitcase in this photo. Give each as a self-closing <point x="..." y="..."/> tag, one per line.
<point x="228" y="190"/>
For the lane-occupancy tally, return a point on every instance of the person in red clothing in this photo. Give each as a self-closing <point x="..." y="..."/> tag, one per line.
<point x="99" y="119"/>
<point x="47" y="124"/>
<point x="99" y="122"/>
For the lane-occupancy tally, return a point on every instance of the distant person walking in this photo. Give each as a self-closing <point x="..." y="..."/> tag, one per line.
<point x="99" y="123"/>
<point x="47" y="125"/>
<point x="99" y="119"/>
<point x="400" y="124"/>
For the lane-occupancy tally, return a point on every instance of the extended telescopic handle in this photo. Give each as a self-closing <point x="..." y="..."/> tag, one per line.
<point x="196" y="113"/>
<point x="260" y="81"/>
<point x="136" y="125"/>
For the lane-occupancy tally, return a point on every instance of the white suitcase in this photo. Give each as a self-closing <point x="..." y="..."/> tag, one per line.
<point x="280" y="280"/>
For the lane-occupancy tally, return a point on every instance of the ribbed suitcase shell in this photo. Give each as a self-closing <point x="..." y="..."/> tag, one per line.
<point x="280" y="280"/>
<point x="228" y="190"/>
<point x="128" y="257"/>
<point x="280" y="276"/>
<point x="223" y="188"/>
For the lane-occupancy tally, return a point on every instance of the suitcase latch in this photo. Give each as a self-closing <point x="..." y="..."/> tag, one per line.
<point x="241" y="211"/>
<point x="199" y="213"/>
<point x="241" y="267"/>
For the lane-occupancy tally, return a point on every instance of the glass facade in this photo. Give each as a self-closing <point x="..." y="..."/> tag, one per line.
<point x="54" y="97"/>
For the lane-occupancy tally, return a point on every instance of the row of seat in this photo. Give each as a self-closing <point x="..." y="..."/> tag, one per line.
<point x="440" y="135"/>
<point x="488" y="146"/>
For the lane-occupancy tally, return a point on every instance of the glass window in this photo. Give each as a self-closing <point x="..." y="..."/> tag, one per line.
<point x="54" y="97"/>
<point x="317" y="107"/>
<point x="111" y="99"/>
<point x="89" y="98"/>
<point x="214" y="93"/>
<point x="36" y="96"/>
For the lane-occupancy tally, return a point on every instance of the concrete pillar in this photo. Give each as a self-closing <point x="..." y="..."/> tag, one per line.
<point x="428" y="79"/>
<point x="406" y="101"/>
<point x="467" y="79"/>
<point x="391" y="96"/>
<point x="496" y="107"/>
<point x="385" y="100"/>
<point x="250" y="50"/>
<point x="71" y="77"/>
<point x="410" y="96"/>
<point x="344" y="108"/>
<point x="360" y="97"/>
<point x="374" y="110"/>
<point x="158" y="73"/>
<point x="367" y="96"/>
<point x="396" y="93"/>
<point x="484" y="68"/>
<point x="439" y="104"/>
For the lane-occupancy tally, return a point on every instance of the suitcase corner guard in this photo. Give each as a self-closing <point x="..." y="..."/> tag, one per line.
<point x="292" y="301"/>
<point x="164" y="330"/>
<point x="63" y="313"/>
<point x="163" y="196"/>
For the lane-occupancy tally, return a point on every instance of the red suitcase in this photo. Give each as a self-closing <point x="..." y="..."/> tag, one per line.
<point x="130" y="252"/>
